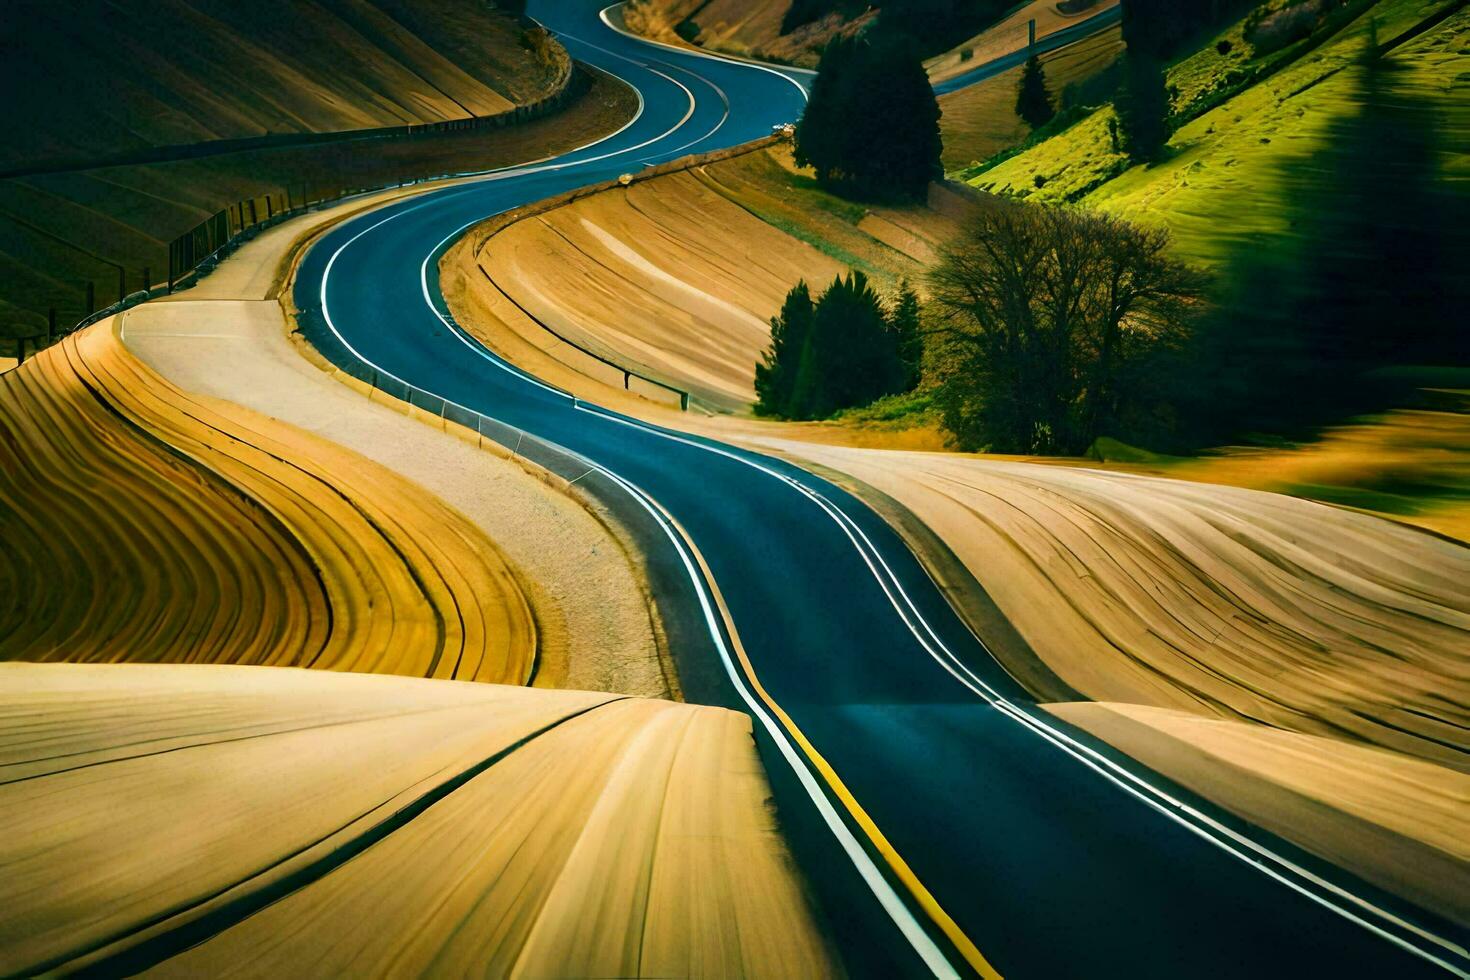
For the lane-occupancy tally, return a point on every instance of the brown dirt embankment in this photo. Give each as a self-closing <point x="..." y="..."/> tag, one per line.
<point x="148" y="523"/>
<point x="675" y="277"/>
<point x="490" y="829"/>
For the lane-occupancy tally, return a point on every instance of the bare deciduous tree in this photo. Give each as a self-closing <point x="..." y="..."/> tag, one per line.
<point x="1057" y="322"/>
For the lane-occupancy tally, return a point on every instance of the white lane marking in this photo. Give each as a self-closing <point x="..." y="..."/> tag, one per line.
<point x="438" y="197"/>
<point x="892" y="903"/>
<point x="1170" y="806"/>
<point x="1106" y="766"/>
<point x="724" y="117"/>
<point x="758" y="66"/>
<point x="520" y="168"/>
<point x="923" y="945"/>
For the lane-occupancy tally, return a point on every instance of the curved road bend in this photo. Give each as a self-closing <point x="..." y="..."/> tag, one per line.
<point x="950" y="826"/>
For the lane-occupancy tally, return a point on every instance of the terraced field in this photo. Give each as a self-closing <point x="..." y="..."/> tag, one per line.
<point x="146" y="523"/>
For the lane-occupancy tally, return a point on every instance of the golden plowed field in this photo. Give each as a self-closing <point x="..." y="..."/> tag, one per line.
<point x="145" y="523"/>
<point x="326" y="824"/>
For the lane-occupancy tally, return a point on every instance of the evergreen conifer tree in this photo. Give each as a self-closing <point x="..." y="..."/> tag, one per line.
<point x="1033" y="101"/>
<point x="775" y="377"/>
<point x="903" y="321"/>
<point x="1142" y="105"/>
<point x="871" y="126"/>
<point x="851" y="357"/>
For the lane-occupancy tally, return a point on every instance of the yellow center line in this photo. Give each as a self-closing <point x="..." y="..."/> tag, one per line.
<point x="926" y="901"/>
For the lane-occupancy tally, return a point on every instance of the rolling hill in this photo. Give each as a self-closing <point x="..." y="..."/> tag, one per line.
<point x="128" y="76"/>
<point x="322" y="824"/>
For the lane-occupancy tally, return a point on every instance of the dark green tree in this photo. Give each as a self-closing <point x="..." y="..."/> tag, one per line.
<point x="851" y="357"/>
<point x="821" y="135"/>
<point x="775" y="376"/>
<point x="1033" y="101"/>
<point x="1142" y="105"/>
<point x="871" y="127"/>
<point x="908" y="338"/>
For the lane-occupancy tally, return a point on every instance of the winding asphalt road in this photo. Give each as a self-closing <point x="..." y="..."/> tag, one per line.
<point x="948" y="825"/>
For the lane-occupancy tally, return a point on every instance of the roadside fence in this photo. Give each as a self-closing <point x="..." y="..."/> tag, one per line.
<point x="197" y="251"/>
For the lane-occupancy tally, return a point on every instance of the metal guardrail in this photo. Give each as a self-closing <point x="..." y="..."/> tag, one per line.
<point x="628" y="373"/>
<point x="200" y="249"/>
<point x="515" y="440"/>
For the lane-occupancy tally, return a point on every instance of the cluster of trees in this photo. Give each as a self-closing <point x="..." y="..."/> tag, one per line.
<point x="846" y="348"/>
<point x="1050" y="327"/>
<point x="1059" y="326"/>
<point x="871" y="126"/>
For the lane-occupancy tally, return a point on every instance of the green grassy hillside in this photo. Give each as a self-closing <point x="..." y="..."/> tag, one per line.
<point x="1219" y="181"/>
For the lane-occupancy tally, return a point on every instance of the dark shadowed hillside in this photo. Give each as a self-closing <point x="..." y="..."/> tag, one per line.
<point x="115" y="76"/>
<point x="134" y="122"/>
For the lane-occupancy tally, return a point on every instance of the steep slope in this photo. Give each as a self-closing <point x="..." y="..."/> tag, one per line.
<point x="335" y="824"/>
<point x="1220" y="184"/>
<point x="128" y="75"/>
